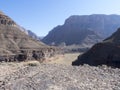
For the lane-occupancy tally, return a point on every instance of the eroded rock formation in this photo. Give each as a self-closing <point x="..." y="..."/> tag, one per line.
<point x="16" y="45"/>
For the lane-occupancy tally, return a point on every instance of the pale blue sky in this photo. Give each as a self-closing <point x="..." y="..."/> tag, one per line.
<point x="40" y="16"/>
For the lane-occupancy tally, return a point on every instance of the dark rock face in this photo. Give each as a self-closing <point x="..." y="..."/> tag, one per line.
<point x="83" y="30"/>
<point x="106" y="52"/>
<point x="16" y="44"/>
<point x="76" y="38"/>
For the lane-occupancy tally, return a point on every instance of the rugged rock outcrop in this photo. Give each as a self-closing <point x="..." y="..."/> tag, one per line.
<point x="84" y="30"/>
<point x="106" y="52"/>
<point x="15" y="43"/>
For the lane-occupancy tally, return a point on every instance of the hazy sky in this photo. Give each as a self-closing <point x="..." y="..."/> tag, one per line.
<point x="40" y="16"/>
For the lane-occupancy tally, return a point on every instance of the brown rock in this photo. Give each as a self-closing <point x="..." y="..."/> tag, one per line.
<point x="15" y="44"/>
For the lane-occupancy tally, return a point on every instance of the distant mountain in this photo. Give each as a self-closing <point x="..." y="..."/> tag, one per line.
<point x="84" y="30"/>
<point x="106" y="52"/>
<point x="41" y="37"/>
<point x="33" y="35"/>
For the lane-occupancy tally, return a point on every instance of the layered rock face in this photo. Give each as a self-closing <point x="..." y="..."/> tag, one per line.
<point x="16" y="44"/>
<point x="106" y="52"/>
<point x="83" y="30"/>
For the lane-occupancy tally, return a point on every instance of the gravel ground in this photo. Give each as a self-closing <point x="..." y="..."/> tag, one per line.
<point x="65" y="59"/>
<point x="58" y="77"/>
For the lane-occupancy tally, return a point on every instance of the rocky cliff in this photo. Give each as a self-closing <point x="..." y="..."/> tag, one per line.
<point x="106" y="52"/>
<point x="83" y="30"/>
<point x="14" y="41"/>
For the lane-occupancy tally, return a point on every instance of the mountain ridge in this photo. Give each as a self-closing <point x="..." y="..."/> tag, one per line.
<point x="101" y="25"/>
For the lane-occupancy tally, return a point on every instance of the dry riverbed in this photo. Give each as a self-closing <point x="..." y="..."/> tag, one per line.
<point x="65" y="59"/>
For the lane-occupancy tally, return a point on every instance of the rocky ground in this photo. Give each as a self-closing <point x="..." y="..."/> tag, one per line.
<point x="35" y="76"/>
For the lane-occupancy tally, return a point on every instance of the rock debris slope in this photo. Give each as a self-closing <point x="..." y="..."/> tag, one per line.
<point x="61" y="77"/>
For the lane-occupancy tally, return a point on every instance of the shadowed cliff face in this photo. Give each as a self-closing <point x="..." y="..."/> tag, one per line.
<point x="106" y="52"/>
<point x="86" y="29"/>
